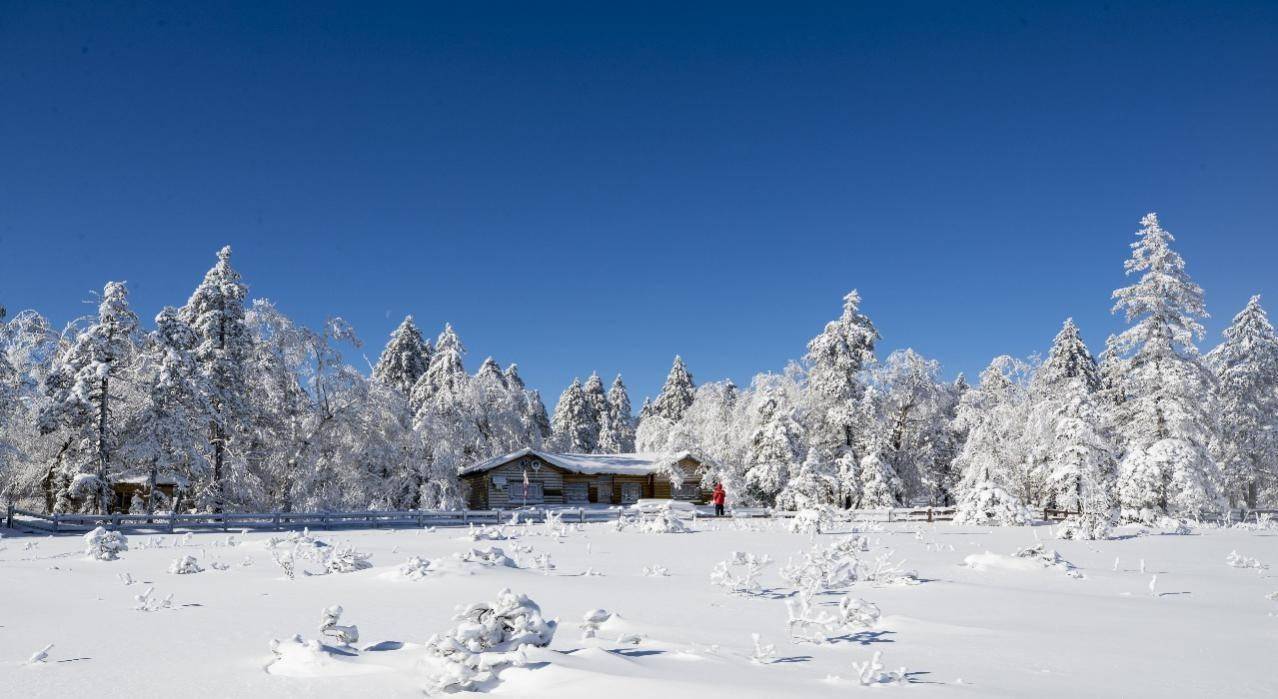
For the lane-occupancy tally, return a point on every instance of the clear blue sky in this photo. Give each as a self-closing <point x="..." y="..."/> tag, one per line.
<point x="597" y="186"/>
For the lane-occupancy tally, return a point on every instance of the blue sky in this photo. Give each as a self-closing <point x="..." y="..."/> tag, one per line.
<point x="599" y="186"/>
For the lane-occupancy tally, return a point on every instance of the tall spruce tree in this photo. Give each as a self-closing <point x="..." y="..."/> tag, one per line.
<point x="405" y="358"/>
<point x="677" y="393"/>
<point x="617" y="434"/>
<point x="81" y="389"/>
<point x="1068" y="427"/>
<point x="215" y="312"/>
<point x="1166" y="418"/>
<point x="1246" y="368"/>
<point x="576" y="429"/>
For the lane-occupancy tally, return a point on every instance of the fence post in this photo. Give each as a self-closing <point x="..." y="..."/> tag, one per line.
<point x="55" y="523"/>
<point x="889" y="515"/>
<point x="172" y="521"/>
<point x="581" y="515"/>
<point x="276" y="520"/>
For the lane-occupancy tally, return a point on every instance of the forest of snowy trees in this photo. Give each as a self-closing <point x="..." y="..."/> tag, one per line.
<point x="254" y="412"/>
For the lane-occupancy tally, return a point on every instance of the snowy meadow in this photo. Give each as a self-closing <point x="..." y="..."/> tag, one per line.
<point x="682" y="608"/>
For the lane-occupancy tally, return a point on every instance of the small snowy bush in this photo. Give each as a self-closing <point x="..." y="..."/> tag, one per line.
<point x="1089" y="526"/>
<point x="989" y="504"/>
<point x="104" y="545"/>
<point x="656" y="571"/>
<point x="1048" y="558"/>
<point x="415" y="568"/>
<point x="345" y="559"/>
<point x="329" y="627"/>
<point x="488" y="636"/>
<point x="186" y="565"/>
<point x="493" y="533"/>
<point x="740" y="573"/>
<point x="491" y="556"/>
<point x="809" y="623"/>
<point x="871" y="672"/>
<point x="1237" y="560"/>
<point x="811" y="521"/>
<point x="663" y="522"/>
<point x="591" y="622"/>
<point x="145" y="602"/>
<point x="764" y="653"/>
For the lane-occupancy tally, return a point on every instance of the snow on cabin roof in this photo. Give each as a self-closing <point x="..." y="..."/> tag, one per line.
<point x="136" y="478"/>
<point x="588" y="464"/>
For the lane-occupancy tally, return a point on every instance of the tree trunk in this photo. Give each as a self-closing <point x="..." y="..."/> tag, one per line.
<point x="104" y="458"/>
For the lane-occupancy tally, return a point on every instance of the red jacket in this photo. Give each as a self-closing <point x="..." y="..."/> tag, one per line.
<point x="719" y="496"/>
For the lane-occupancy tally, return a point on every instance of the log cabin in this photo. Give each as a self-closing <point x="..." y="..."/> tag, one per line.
<point x="580" y="479"/>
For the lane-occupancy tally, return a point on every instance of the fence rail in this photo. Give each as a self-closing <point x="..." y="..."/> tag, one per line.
<point x="278" y="521"/>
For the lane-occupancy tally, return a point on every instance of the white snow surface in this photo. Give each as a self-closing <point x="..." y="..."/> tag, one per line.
<point x="993" y="626"/>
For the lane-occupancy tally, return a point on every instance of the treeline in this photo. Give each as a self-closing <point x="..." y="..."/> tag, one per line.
<point x="252" y="411"/>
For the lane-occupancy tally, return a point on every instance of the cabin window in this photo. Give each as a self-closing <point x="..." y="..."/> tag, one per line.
<point x="631" y="492"/>
<point x="576" y="493"/>
<point x="690" y="490"/>
<point x="516" y="494"/>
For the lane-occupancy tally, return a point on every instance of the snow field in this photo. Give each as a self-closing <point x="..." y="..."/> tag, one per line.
<point x="982" y="621"/>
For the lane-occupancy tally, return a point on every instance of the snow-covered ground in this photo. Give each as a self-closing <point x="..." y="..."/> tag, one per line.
<point x="981" y="622"/>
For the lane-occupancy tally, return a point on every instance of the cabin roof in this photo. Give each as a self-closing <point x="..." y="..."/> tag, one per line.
<point x="589" y="464"/>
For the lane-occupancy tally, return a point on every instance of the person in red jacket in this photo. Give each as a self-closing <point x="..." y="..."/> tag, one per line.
<point x="718" y="499"/>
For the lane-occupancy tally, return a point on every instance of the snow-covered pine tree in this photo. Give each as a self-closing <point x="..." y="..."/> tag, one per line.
<point x="166" y="434"/>
<point x="1246" y="368"/>
<point x="81" y="389"/>
<point x="597" y="400"/>
<point x="215" y="312"/>
<point x="996" y="471"/>
<point x="446" y="371"/>
<point x="404" y="359"/>
<point x="445" y="419"/>
<point x="531" y="411"/>
<point x="574" y="426"/>
<point x="1068" y="427"/>
<point x="1166" y="419"/>
<point x="677" y="393"/>
<point x="617" y="435"/>
<point x="907" y="427"/>
<point x="774" y="449"/>
<point x="834" y="361"/>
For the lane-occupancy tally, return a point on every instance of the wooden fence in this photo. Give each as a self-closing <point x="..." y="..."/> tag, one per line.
<point x="278" y="521"/>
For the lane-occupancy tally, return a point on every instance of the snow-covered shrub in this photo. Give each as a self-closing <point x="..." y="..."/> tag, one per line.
<point x="810" y="623"/>
<point x="286" y="562"/>
<point x="489" y="636"/>
<point x="663" y="522"/>
<point x="656" y="571"/>
<point x="185" y="565"/>
<point x="345" y="559"/>
<point x="1237" y="560"/>
<point x="329" y="627"/>
<point x="740" y="573"/>
<point x="145" y="602"/>
<point x="104" y="545"/>
<point x="493" y="533"/>
<point x="986" y="503"/>
<point x="814" y="520"/>
<point x="540" y="562"/>
<point x="871" y="672"/>
<point x="1089" y="526"/>
<point x="1048" y="558"/>
<point x="415" y="568"/>
<point x="883" y="570"/>
<point x="591" y="622"/>
<point x="764" y="653"/>
<point x="491" y="556"/>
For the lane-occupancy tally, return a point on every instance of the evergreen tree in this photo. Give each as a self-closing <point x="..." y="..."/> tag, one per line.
<point x="774" y="449"/>
<point x="165" y="435"/>
<point x="676" y="395"/>
<point x="1246" y="368"/>
<point x="1166" y="417"/>
<point x="574" y="425"/>
<point x="617" y="435"/>
<point x="597" y="401"/>
<point x="994" y="463"/>
<point x="835" y="360"/>
<point x="215" y="312"/>
<point x="446" y="372"/>
<point x="80" y="388"/>
<point x="1068" y="427"/>
<point x="405" y="358"/>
